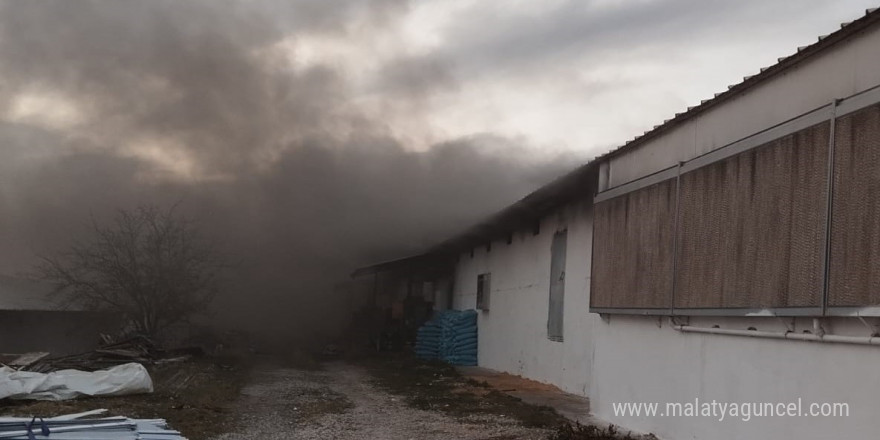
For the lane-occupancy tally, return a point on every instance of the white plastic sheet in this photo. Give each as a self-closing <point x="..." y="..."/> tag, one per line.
<point x="130" y="378"/>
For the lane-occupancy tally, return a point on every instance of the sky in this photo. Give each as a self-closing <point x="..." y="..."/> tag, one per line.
<point x="312" y="137"/>
<point x="582" y="76"/>
<point x="554" y="76"/>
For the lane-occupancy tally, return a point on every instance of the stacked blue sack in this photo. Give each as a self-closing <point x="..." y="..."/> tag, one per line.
<point x="451" y="336"/>
<point x="428" y="340"/>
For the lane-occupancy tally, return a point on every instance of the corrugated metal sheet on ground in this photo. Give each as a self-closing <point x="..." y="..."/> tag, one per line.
<point x="107" y="428"/>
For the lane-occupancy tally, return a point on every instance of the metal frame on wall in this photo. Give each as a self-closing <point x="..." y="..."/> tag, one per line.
<point x="827" y="113"/>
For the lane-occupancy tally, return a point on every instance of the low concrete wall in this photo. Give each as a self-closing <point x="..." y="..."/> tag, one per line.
<point x="58" y="332"/>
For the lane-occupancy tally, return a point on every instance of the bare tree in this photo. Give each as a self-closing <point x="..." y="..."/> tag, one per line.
<point x="150" y="265"/>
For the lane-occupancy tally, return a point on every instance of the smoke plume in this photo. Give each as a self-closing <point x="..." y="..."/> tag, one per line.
<point x="234" y="109"/>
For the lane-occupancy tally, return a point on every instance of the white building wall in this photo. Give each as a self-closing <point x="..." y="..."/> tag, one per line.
<point x="513" y="333"/>
<point x="845" y="70"/>
<point x="638" y="361"/>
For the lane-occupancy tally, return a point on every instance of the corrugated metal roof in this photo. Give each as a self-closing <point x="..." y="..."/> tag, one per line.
<point x="414" y="262"/>
<point x="523" y="213"/>
<point x="579" y="183"/>
<point x="847" y="29"/>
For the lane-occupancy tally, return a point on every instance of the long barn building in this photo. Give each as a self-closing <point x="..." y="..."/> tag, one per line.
<point x="730" y="254"/>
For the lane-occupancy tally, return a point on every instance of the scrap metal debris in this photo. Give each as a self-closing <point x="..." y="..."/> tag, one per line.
<point x="28" y="359"/>
<point x="79" y="427"/>
<point x="138" y="349"/>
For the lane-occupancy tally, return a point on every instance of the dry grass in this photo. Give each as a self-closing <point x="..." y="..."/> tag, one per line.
<point x="588" y="432"/>
<point x="437" y="386"/>
<point x="433" y="385"/>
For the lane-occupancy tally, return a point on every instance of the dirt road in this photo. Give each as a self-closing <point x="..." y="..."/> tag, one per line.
<point x="341" y="402"/>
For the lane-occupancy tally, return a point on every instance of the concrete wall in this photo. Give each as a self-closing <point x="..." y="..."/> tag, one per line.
<point x="849" y="68"/>
<point x="513" y="333"/>
<point x="58" y="332"/>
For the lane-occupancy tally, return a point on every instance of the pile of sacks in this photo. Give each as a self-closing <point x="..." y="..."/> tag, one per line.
<point x="451" y="336"/>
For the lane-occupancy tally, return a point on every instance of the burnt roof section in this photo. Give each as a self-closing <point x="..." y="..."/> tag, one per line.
<point x="579" y="183"/>
<point x="426" y="262"/>
<point x="582" y="181"/>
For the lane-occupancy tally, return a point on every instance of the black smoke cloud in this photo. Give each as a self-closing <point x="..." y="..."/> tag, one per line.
<point x="193" y="102"/>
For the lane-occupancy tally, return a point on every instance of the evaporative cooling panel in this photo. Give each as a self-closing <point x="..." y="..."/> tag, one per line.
<point x="752" y="227"/>
<point x="854" y="269"/>
<point x="632" y="249"/>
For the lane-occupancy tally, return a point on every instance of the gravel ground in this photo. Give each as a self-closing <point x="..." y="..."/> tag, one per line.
<point x="340" y="402"/>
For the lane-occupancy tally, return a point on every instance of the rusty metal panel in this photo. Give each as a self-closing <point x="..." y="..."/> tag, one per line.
<point x="632" y="249"/>
<point x="854" y="266"/>
<point x="751" y="227"/>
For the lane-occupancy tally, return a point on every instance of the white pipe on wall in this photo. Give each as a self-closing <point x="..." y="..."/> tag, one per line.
<point x="862" y="340"/>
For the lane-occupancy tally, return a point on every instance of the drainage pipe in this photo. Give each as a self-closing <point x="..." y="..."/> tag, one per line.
<point x="862" y="340"/>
